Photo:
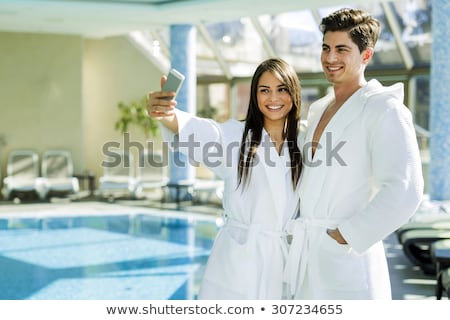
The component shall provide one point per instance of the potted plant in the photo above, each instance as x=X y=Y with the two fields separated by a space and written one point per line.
x=135 y=113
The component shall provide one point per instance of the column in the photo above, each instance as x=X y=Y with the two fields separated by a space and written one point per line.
x=183 y=58
x=439 y=172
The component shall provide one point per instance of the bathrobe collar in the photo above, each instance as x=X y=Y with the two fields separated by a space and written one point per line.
x=276 y=167
x=346 y=114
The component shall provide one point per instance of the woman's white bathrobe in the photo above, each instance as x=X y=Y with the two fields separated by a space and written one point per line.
x=249 y=252
x=366 y=179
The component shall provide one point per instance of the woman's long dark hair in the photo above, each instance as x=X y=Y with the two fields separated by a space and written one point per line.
x=254 y=122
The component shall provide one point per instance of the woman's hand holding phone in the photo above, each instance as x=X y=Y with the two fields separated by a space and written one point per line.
x=161 y=104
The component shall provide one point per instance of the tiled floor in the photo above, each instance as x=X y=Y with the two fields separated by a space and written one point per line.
x=128 y=250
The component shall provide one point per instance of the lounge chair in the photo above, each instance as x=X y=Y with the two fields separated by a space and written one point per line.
x=207 y=187
x=440 y=254
x=416 y=245
x=438 y=223
x=443 y=284
x=208 y=191
x=22 y=180
x=151 y=175
x=57 y=174
x=118 y=179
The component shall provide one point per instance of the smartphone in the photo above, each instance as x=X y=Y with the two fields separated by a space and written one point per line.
x=174 y=81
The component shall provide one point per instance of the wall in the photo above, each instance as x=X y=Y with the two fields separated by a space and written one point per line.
x=40 y=92
x=113 y=71
x=63 y=91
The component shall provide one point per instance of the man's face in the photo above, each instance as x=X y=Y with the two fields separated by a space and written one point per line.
x=341 y=60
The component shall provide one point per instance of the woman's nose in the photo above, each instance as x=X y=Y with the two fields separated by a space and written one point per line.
x=273 y=96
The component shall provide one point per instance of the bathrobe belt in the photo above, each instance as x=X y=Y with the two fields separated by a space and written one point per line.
x=253 y=232
x=300 y=230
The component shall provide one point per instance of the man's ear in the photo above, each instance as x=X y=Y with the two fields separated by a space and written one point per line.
x=367 y=55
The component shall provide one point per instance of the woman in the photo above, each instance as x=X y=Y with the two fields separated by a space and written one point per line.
x=260 y=163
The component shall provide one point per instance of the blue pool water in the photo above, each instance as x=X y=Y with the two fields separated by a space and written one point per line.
x=136 y=256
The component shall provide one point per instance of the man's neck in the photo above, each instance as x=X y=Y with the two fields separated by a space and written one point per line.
x=344 y=91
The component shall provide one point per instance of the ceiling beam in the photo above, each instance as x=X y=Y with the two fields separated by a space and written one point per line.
x=109 y=18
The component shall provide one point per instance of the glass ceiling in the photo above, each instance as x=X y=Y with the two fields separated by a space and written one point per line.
x=233 y=49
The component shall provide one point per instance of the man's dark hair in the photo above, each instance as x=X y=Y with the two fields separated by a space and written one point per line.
x=362 y=28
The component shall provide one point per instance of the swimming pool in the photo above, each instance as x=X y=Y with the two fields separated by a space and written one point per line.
x=120 y=256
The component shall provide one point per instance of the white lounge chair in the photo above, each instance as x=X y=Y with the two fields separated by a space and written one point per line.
x=208 y=191
x=22 y=178
x=151 y=175
x=118 y=179
x=207 y=188
x=57 y=174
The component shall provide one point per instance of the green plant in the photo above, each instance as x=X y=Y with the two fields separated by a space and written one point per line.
x=135 y=113
x=207 y=112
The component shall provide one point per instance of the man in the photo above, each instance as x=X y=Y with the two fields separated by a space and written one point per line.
x=362 y=177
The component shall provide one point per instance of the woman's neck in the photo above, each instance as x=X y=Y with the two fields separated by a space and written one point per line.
x=276 y=134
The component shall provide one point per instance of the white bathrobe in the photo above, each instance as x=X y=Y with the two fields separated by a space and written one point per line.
x=366 y=179
x=248 y=256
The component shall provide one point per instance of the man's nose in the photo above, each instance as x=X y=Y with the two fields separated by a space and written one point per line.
x=331 y=56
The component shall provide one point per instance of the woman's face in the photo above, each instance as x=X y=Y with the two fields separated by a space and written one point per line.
x=274 y=100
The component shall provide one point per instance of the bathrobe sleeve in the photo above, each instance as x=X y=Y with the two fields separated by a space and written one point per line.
x=396 y=176
x=206 y=141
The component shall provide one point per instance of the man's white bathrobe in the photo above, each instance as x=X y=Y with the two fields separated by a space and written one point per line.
x=366 y=179
x=249 y=252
